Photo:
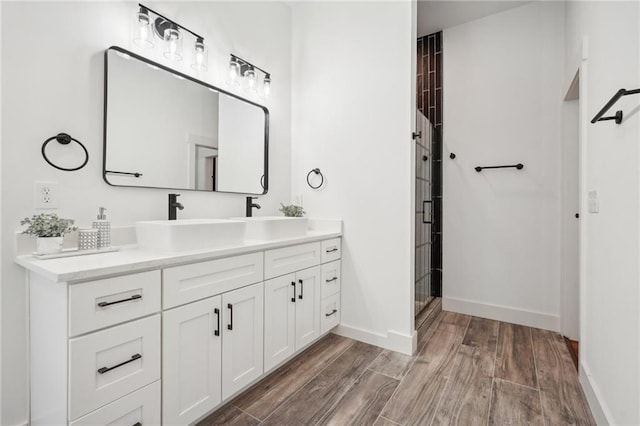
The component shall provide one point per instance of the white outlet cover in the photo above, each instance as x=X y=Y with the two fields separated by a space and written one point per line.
x=46 y=195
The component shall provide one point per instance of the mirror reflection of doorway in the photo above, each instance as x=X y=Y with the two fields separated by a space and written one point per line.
x=206 y=170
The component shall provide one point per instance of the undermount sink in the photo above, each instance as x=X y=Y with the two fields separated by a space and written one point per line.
x=274 y=227
x=189 y=234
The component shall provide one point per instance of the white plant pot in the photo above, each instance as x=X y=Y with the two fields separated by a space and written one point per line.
x=49 y=245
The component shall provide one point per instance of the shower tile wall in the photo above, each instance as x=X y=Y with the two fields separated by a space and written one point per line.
x=423 y=293
x=429 y=101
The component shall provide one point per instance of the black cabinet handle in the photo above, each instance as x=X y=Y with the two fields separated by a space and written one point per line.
x=217 y=312
x=301 y=289
x=293 y=299
x=332 y=312
x=332 y=250
x=230 y=325
x=129 y=299
x=133 y=358
x=332 y=279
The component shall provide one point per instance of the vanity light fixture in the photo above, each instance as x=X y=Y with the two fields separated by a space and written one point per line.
x=240 y=69
x=172 y=35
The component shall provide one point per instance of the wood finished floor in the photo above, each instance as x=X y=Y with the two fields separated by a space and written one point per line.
x=466 y=371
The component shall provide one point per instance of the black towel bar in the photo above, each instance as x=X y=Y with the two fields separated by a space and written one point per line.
x=618 y=115
x=518 y=166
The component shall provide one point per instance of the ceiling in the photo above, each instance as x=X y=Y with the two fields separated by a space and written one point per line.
x=434 y=16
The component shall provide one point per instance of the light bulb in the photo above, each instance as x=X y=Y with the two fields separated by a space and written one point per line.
x=201 y=56
x=173 y=43
x=142 y=31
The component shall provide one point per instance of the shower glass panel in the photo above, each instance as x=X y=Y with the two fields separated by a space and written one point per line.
x=424 y=213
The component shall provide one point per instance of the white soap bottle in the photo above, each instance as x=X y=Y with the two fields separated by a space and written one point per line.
x=104 y=229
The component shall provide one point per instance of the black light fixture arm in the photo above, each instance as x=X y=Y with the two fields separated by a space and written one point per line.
x=618 y=115
x=245 y=62
x=148 y=9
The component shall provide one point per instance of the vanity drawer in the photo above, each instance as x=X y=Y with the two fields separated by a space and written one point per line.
x=329 y=313
x=331 y=250
x=184 y=284
x=108 y=364
x=285 y=260
x=330 y=279
x=101 y=303
x=139 y=407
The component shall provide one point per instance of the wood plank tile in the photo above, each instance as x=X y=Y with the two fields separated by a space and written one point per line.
x=392 y=364
x=416 y=399
x=262 y=399
x=563 y=401
x=309 y=404
x=384 y=422
x=362 y=404
x=229 y=415
x=512 y=404
x=465 y=400
x=455 y=323
x=514 y=361
x=483 y=334
x=425 y=332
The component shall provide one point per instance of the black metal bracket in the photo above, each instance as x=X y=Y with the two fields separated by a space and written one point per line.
x=163 y=23
x=244 y=65
x=317 y=172
x=618 y=115
x=64 y=139
x=518 y=166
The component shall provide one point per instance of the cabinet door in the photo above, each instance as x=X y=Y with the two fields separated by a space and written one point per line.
x=242 y=349
x=191 y=364
x=307 y=306
x=279 y=320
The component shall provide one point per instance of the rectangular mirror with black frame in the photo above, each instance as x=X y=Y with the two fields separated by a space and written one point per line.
x=165 y=129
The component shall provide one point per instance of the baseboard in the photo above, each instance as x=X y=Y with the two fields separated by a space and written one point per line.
x=599 y=410
x=502 y=313
x=393 y=341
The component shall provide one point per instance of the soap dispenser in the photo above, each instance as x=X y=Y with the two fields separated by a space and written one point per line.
x=104 y=229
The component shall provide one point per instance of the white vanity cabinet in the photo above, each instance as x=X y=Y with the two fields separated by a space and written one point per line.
x=171 y=344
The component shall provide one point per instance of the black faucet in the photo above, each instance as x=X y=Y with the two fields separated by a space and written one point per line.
x=174 y=206
x=251 y=205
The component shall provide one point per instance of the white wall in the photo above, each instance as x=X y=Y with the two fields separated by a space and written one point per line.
x=353 y=98
x=610 y=300
x=502 y=97
x=52 y=76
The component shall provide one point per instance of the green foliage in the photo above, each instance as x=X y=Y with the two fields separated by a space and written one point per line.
x=47 y=225
x=292 y=210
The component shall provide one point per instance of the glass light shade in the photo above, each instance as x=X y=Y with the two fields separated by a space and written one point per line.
x=266 y=86
x=234 y=70
x=173 y=44
x=143 y=29
x=200 y=56
x=250 y=75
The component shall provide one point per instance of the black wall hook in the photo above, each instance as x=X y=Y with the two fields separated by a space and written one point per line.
x=64 y=139
x=452 y=156
x=317 y=172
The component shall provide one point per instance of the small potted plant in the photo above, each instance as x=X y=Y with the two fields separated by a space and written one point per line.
x=49 y=230
x=292 y=210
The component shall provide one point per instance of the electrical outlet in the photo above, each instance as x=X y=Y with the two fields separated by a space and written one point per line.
x=46 y=195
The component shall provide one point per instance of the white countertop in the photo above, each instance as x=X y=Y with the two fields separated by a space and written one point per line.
x=132 y=259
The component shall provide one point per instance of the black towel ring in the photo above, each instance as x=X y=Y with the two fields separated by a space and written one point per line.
x=317 y=172
x=65 y=139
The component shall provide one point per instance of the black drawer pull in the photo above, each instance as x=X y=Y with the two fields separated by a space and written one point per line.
x=332 y=312
x=217 y=312
x=332 y=279
x=133 y=358
x=134 y=297
x=332 y=250
x=301 y=296
x=293 y=299
x=230 y=325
